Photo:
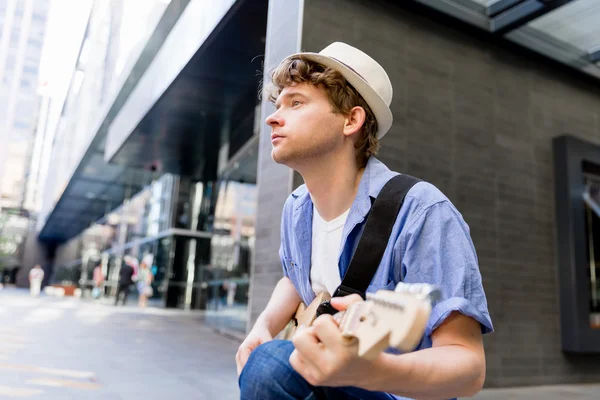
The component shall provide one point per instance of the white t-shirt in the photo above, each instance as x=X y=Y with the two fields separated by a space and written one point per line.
x=326 y=242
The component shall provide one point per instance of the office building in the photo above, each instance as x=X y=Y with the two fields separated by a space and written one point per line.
x=22 y=28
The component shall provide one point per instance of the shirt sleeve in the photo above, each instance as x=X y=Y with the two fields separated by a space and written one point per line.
x=282 y=258
x=285 y=217
x=437 y=249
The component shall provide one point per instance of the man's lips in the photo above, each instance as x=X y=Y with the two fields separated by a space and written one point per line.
x=275 y=136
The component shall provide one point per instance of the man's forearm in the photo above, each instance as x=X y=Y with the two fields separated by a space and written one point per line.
x=281 y=307
x=435 y=373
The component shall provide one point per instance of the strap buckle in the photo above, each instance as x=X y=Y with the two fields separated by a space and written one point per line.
x=326 y=308
x=347 y=291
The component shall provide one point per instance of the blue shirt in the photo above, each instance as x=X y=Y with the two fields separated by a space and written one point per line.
x=430 y=243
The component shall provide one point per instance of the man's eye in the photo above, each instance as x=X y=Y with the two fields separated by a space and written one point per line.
x=296 y=103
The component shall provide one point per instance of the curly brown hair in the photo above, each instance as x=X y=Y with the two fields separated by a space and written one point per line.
x=342 y=96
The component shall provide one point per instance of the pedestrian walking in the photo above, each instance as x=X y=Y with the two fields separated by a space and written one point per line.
x=36 y=276
x=98 y=278
x=125 y=279
x=144 y=283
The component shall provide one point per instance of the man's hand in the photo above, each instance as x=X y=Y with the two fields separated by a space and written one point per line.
x=258 y=336
x=342 y=303
x=280 y=309
x=323 y=357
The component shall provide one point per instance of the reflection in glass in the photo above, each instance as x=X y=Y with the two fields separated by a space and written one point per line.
x=128 y=229
x=591 y=198
x=227 y=276
x=190 y=257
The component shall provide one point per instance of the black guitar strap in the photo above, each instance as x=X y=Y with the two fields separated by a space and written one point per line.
x=374 y=239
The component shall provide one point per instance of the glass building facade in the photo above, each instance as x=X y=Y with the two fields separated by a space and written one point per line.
x=199 y=236
x=192 y=215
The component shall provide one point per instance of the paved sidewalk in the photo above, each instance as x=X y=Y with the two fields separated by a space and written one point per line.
x=65 y=348
x=558 y=392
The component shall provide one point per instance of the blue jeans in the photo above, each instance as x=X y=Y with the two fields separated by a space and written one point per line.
x=269 y=375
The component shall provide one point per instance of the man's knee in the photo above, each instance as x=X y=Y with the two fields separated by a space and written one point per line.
x=268 y=373
x=267 y=361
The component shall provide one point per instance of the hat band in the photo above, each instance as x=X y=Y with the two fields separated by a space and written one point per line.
x=349 y=67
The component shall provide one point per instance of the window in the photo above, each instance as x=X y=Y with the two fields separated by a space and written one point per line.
x=30 y=69
x=14 y=36
x=577 y=194
x=24 y=109
x=34 y=43
x=19 y=9
x=32 y=55
x=11 y=59
x=38 y=17
x=21 y=125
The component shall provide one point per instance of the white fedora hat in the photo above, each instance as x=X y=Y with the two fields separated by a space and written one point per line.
x=364 y=74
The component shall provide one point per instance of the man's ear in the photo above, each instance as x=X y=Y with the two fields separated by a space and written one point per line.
x=354 y=121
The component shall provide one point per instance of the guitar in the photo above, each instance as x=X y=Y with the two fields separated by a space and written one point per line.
x=386 y=319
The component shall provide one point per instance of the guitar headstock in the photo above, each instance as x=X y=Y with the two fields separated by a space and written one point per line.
x=389 y=319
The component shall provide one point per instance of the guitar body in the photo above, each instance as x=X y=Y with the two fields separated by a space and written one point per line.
x=305 y=316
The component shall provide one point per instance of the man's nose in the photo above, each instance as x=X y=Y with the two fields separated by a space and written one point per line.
x=274 y=120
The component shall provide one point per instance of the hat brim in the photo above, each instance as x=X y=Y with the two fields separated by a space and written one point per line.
x=380 y=109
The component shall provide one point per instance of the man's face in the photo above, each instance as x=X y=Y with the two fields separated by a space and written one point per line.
x=304 y=127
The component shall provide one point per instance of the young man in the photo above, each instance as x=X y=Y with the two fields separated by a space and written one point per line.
x=332 y=108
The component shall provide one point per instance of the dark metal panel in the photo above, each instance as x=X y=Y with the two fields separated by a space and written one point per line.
x=569 y=155
x=549 y=46
x=83 y=188
x=595 y=56
x=499 y=6
x=470 y=5
x=466 y=14
x=523 y=13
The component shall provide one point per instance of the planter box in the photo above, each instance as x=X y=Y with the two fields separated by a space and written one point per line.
x=69 y=290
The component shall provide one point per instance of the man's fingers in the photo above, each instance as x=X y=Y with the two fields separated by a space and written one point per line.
x=327 y=331
x=242 y=357
x=239 y=367
x=244 y=354
x=342 y=303
x=309 y=346
x=297 y=362
x=304 y=368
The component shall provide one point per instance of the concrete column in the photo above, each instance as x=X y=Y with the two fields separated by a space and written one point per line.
x=275 y=181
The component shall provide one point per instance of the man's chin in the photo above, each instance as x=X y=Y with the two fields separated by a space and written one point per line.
x=277 y=157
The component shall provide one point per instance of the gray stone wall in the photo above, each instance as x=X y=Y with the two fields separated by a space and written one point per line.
x=477 y=121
